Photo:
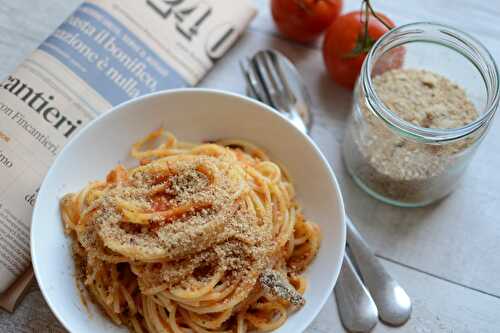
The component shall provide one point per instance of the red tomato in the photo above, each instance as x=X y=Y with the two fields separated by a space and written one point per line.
x=304 y=20
x=342 y=53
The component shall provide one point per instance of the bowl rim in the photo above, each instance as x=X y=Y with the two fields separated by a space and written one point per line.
x=224 y=94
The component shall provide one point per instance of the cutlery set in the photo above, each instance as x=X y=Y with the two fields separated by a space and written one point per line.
x=364 y=291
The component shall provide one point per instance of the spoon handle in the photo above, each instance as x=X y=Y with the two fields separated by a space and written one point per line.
x=393 y=303
x=357 y=310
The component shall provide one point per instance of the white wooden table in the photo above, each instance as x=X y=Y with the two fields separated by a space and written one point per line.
x=445 y=255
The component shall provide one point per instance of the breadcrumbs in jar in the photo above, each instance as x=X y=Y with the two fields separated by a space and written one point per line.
x=413 y=130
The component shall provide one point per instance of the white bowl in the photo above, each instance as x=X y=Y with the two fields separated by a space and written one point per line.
x=194 y=115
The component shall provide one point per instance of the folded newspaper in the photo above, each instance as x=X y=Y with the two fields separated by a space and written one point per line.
x=106 y=52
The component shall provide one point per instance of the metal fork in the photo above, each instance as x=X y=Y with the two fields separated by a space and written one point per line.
x=267 y=83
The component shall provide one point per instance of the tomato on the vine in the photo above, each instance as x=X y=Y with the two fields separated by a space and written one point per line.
x=346 y=45
x=304 y=20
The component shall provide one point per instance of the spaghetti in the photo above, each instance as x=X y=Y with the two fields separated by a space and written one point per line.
x=197 y=238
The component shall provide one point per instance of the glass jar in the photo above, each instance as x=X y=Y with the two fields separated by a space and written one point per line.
x=402 y=162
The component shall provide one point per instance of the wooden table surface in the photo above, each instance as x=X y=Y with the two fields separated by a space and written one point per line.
x=445 y=255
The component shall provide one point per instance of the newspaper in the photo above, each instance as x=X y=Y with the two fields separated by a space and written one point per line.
x=106 y=52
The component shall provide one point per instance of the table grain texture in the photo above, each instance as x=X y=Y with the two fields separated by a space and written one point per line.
x=445 y=255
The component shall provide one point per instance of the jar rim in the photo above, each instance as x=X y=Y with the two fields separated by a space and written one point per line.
x=488 y=70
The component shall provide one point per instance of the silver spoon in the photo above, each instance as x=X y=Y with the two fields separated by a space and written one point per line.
x=266 y=82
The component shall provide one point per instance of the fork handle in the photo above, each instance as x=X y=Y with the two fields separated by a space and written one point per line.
x=357 y=310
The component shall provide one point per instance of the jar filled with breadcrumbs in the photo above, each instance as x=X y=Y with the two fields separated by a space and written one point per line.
x=424 y=100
